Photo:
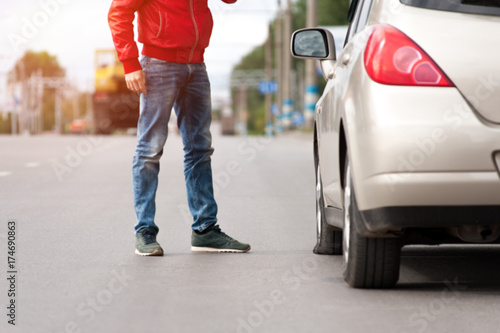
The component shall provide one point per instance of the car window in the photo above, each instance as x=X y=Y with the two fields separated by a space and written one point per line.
x=363 y=16
x=482 y=7
x=353 y=17
x=359 y=16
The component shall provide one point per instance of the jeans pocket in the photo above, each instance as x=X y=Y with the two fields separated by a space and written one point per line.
x=144 y=61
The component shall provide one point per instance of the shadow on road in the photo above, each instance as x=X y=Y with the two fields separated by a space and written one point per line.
x=431 y=267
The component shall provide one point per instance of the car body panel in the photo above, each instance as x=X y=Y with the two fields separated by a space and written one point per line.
x=413 y=146
x=465 y=46
x=331 y=110
x=443 y=137
x=407 y=133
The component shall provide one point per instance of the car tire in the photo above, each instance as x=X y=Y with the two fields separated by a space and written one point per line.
x=368 y=262
x=329 y=239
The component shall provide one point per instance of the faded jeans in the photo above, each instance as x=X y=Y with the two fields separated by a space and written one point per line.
x=186 y=88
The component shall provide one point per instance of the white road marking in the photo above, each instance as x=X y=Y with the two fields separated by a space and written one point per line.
x=32 y=164
x=5 y=173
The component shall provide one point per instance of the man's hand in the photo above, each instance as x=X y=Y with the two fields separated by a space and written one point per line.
x=136 y=81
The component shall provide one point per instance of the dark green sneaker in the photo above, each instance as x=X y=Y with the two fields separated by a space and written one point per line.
x=146 y=244
x=214 y=240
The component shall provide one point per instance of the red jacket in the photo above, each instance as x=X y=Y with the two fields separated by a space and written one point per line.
x=171 y=30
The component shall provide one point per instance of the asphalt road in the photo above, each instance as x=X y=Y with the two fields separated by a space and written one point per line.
x=75 y=269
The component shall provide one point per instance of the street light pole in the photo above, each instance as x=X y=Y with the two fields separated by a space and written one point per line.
x=23 y=116
x=287 y=68
x=269 y=74
x=278 y=44
x=311 y=89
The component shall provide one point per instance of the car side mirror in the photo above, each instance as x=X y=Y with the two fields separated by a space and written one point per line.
x=314 y=43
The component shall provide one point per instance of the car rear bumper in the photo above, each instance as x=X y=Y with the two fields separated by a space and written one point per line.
x=384 y=221
x=426 y=147
x=431 y=188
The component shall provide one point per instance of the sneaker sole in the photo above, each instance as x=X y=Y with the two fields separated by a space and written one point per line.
x=213 y=249
x=155 y=253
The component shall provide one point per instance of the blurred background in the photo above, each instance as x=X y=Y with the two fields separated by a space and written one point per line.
x=59 y=73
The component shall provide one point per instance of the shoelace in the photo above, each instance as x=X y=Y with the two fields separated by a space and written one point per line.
x=217 y=229
x=148 y=237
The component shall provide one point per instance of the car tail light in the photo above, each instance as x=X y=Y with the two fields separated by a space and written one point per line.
x=101 y=96
x=393 y=58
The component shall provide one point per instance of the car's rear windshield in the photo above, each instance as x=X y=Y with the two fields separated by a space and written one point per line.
x=481 y=7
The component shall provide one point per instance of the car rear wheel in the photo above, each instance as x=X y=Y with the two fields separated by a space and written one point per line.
x=368 y=262
x=329 y=239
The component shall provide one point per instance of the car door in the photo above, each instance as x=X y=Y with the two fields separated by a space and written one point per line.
x=330 y=108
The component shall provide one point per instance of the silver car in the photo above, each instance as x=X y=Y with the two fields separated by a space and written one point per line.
x=407 y=131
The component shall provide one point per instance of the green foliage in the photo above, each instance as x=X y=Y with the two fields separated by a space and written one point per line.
x=31 y=62
x=257 y=123
x=256 y=112
x=255 y=101
x=48 y=65
x=5 y=124
x=330 y=12
x=333 y=12
x=254 y=60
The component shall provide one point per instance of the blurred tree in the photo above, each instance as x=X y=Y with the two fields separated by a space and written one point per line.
x=330 y=12
x=253 y=60
x=333 y=12
x=30 y=63
x=255 y=101
x=5 y=123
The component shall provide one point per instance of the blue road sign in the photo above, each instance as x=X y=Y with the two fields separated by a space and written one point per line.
x=268 y=87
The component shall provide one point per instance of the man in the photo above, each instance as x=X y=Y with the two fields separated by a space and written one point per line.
x=171 y=73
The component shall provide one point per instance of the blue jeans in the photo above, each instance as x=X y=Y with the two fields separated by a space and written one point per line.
x=186 y=88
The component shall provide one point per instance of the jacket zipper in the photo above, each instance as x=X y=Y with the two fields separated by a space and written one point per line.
x=197 y=32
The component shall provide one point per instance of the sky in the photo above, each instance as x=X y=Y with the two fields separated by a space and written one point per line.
x=73 y=29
